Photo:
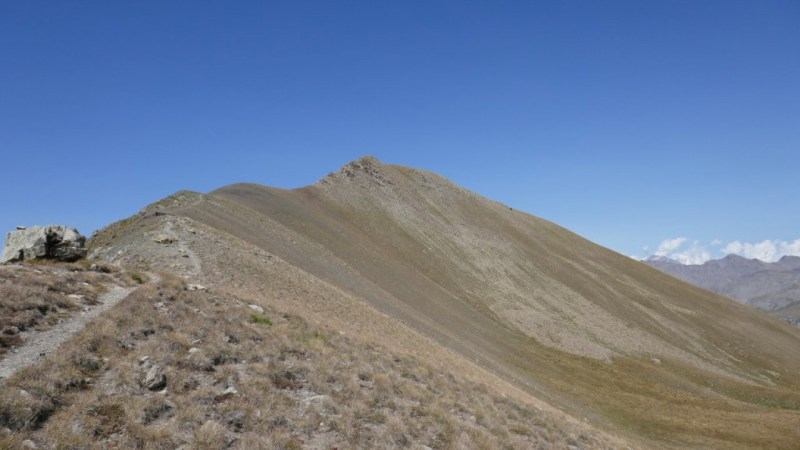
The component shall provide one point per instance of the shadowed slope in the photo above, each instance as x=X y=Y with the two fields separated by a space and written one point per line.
x=576 y=324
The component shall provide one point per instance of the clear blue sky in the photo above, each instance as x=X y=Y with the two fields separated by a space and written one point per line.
x=629 y=122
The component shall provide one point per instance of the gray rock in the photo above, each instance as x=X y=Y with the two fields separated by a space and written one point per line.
x=195 y=287
x=235 y=420
x=53 y=241
x=164 y=239
x=227 y=393
x=27 y=443
x=257 y=309
x=155 y=378
x=157 y=409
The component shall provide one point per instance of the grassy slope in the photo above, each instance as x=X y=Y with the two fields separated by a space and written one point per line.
x=482 y=279
x=297 y=385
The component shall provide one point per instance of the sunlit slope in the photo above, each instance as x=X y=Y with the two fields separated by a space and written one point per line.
x=581 y=326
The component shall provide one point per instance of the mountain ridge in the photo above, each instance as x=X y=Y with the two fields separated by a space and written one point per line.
x=577 y=325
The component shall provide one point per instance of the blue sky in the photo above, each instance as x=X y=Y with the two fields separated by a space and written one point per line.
x=628 y=122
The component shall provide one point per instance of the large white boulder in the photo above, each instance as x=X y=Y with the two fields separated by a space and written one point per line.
x=52 y=241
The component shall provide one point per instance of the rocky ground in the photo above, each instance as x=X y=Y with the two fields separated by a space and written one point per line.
x=183 y=365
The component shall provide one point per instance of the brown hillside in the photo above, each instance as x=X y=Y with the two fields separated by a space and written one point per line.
x=585 y=329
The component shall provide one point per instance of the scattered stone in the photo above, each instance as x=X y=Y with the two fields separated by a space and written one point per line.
x=235 y=420
x=195 y=287
x=226 y=394
x=280 y=421
x=158 y=409
x=656 y=360
x=163 y=239
x=53 y=241
x=27 y=443
x=154 y=379
x=78 y=384
x=75 y=296
x=316 y=399
x=89 y=363
x=193 y=350
x=257 y=309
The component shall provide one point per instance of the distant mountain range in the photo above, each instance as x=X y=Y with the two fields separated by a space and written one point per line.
x=770 y=287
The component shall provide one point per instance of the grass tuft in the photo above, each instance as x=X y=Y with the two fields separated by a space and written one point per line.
x=259 y=319
x=138 y=277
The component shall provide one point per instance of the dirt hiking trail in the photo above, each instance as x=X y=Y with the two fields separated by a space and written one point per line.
x=40 y=344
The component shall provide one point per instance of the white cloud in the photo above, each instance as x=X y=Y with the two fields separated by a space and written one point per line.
x=695 y=254
x=669 y=245
x=790 y=248
x=698 y=253
x=764 y=250
x=767 y=250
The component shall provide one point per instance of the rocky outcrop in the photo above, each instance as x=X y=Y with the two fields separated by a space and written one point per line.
x=52 y=241
x=152 y=375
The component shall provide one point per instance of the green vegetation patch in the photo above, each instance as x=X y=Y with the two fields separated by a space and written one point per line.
x=138 y=277
x=259 y=319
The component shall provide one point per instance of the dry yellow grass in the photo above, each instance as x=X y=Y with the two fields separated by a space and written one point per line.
x=295 y=386
x=35 y=295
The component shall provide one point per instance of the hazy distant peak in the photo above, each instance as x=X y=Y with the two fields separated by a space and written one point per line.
x=662 y=259
x=734 y=257
x=738 y=261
